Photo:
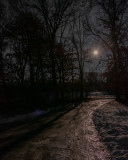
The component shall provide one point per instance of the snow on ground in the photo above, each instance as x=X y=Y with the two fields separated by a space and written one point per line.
x=111 y=121
x=71 y=137
x=100 y=95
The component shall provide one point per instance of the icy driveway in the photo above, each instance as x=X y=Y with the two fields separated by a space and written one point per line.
x=71 y=137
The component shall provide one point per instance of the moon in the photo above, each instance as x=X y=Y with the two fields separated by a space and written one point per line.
x=95 y=52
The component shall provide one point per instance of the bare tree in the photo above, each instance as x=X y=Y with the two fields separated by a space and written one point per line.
x=2 y=40
x=79 y=41
x=54 y=14
x=110 y=27
x=24 y=34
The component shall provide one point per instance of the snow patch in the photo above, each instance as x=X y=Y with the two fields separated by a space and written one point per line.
x=111 y=121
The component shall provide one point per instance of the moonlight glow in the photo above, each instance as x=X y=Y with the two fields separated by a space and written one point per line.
x=95 y=52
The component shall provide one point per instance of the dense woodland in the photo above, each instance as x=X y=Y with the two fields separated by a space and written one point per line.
x=45 y=46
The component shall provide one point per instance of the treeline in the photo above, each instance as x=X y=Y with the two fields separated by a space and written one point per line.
x=46 y=46
x=41 y=62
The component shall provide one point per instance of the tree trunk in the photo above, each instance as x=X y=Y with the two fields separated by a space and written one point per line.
x=2 y=70
x=81 y=87
x=54 y=79
x=31 y=70
x=5 y=96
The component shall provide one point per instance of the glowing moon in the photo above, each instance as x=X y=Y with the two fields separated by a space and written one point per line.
x=95 y=52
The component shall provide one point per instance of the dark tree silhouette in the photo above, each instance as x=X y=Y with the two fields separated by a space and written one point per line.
x=54 y=14
x=78 y=39
x=111 y=28
x=3 y=44
x=25 y=36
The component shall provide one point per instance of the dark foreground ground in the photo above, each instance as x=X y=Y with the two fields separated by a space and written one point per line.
x=65 y=135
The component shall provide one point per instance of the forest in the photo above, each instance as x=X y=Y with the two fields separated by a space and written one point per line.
x=46 y=50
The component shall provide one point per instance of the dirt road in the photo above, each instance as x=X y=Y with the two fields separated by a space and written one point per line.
x=70 y=137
